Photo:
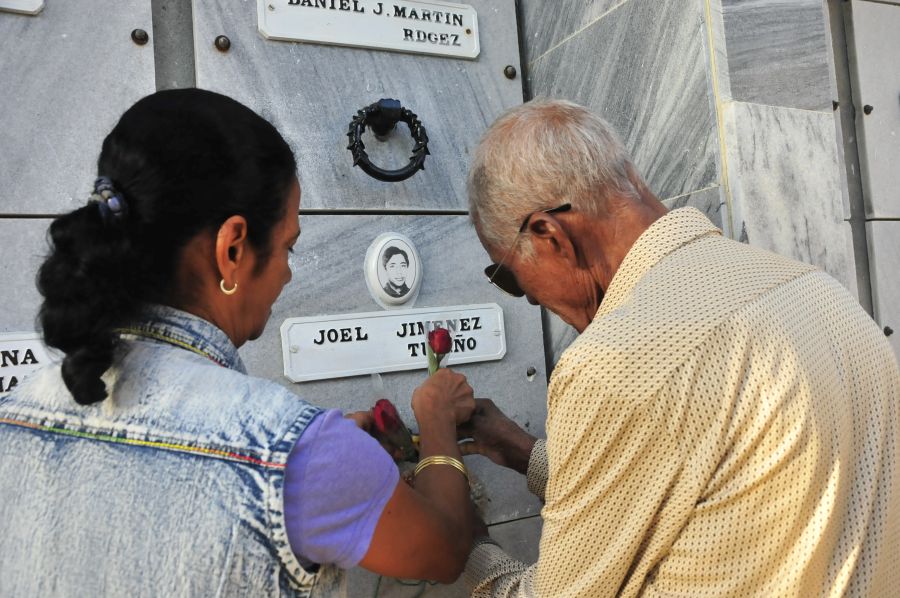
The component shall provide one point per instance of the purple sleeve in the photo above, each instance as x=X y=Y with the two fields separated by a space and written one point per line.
x=337 y=482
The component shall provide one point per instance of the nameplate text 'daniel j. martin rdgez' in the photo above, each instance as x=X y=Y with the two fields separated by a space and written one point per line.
x=323 y=347
x=419 y=27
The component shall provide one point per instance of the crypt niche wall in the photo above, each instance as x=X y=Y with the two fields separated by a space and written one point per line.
x=70 y=75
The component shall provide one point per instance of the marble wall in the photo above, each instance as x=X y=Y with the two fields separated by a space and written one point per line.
x=774 y=83
x=726 y=105
x=643 y=66
x=69 y=76
x=870 y=34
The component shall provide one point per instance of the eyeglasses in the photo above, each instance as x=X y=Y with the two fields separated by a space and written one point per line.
x=499 y=275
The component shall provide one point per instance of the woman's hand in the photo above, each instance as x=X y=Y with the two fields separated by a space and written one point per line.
x=426 y=531
x=444 y=396
x=364 y=420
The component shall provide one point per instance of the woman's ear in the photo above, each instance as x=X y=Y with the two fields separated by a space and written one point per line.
x=231 y=245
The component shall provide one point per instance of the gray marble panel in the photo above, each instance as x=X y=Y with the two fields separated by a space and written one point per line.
x=24 y=248
x=644 y=69
x=328 y=279
x=874 y=52
x=778 y=53
x=884 y=250
x=547 y=23
x=710 y=201
x=67 y=75
x=312 y=91
x=786 y=185
x=520 y=539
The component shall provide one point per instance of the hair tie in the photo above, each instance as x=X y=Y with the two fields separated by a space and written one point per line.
x=109 y=201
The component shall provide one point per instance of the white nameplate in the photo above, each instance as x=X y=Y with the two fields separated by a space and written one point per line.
x=321 y=347
x=20 y=354
x=28 y=7
x=420 y=27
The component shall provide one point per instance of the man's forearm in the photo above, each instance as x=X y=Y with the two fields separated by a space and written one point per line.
x=538 y=469
x=491 y=573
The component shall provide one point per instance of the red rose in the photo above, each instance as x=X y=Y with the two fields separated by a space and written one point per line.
x=387 y=420
x=439 y=340
x=392 y=433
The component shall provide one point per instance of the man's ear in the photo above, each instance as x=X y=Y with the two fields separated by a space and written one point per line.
x=231 y=245
x=550 y=238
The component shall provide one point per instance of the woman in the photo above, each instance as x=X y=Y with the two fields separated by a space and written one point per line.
x=149 y=462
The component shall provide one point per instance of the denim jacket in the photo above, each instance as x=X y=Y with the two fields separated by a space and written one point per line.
x=171 y=486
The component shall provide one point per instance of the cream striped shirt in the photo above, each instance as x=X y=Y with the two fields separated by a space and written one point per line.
x=726 y=426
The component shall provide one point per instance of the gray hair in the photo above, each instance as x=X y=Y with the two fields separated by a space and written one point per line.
x=540 y=155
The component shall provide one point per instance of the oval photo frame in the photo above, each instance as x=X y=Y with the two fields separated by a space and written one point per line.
x=393 y=271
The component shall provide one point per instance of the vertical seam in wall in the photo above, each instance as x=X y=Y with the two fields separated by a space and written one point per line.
x=173 y=44
x=719 y=106
x=523 y=65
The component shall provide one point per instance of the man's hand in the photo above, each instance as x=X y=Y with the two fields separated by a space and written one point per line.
x=497 y=437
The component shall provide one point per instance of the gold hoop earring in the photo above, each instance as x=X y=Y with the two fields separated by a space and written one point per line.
x=230 y=291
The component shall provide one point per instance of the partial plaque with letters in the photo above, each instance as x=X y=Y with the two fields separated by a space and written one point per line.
x=26 y=7
x=324 y=347
x=20 y=354
x=415 y=26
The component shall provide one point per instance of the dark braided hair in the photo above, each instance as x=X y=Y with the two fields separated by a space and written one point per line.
x=182 y=161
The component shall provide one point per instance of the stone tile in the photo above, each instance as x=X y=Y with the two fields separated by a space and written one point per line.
x=311 y=92
x=786 y=186
x=644 y=69
x=520 y=539
x=716 y=24
x=67 y=75
x=24 y=248
x=778 y=53
x=884 y=247
x=710 y=201
x=547 y=23
x=328 y=279
x=874 y=45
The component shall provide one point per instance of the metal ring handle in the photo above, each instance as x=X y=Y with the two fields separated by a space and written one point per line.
x=381 y=118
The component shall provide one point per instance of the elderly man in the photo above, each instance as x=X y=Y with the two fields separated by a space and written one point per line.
x=726 y=423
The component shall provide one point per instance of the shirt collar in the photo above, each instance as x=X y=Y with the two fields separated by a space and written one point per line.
x=165 y=324
x=675 y=229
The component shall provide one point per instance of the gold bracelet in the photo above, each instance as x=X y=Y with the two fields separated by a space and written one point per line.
x=441 y=460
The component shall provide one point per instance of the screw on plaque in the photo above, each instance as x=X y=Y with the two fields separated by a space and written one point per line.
x=510 y=71
x=139 y=36
x=222 y=43
x=867 y=109
x=382 y=117
x=888 y=331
